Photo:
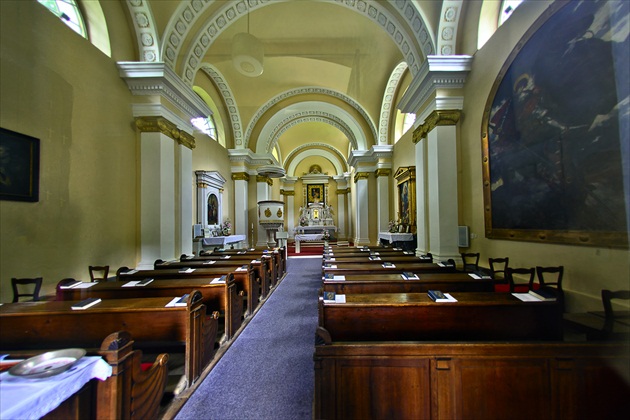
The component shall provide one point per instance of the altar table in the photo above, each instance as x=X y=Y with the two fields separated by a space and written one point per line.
x=306 y=237
x=395 y=238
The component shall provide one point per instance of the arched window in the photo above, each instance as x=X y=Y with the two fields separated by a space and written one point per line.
x=69 y=13
x=206 y=125
x=507 y=8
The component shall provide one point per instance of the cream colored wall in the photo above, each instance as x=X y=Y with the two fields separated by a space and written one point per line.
x=209 y=155
x=58 y=87
x=587 y=269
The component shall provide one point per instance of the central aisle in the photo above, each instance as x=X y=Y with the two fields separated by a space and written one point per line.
x=267 y=373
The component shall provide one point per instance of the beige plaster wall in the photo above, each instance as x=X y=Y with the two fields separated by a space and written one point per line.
x=58 y=87
x=587 y=269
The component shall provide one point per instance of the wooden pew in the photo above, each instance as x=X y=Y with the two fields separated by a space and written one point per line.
x=278 y=257
x=375 y=259
x=263 y=266
x=475 y=316
x=396 y=283
x=129 y=393
x=231 y=301
x=350 y=268
x=396 y=380
x=29 y=325
x=216 y=296
x=247 y=281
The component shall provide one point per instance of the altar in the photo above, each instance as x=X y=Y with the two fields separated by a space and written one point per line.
x=217 y=241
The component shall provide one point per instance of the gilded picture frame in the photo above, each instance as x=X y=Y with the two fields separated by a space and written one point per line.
x=406 y=190
x=19 y=167
x=553 y=134
x=315 y=193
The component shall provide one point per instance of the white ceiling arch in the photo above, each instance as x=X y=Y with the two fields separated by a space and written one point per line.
x=319 y=150
x=403 y=23
x=310 y=111
x=313 y=90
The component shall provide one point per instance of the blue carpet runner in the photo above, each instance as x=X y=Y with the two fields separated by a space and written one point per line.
x=267 y=373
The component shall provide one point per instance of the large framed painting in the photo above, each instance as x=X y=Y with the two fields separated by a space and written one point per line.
x=315 y=194
x=556 y=127
x=406 y=184
x=19 y=166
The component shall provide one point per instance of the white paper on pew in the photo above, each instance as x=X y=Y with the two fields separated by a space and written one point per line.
x=72 y=286
x=209 y=262
x=332 y=259
x=475 y=276
x=526 y=297
x=332 y=266
x=340 y=298
x=414 y=277
x=225 y=257
x=174 y=303
x=449 y=298
x=131 y=272
x=190 y=270
x=217 y=281
x=241 y=269
x=131 y=283
x=84 y=285
x=376 y=253
x=397 y=249
x=339 y=278
x=255 y=261
x=389 y=265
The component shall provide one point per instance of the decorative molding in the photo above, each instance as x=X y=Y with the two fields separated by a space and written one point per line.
x=240 y=176
x=261 y=178
x=316 y=149
x=361 y=175
x=343 y=191
x=436 y=118
x=144 y=27
x=166 y=127
x=309 y=90
x=228 y=99
x=287 y=192
x=388 y=99
x=382 y=172
x=370 y=156
x=438 y=72
x=405 y=26
x=148 y=79
x=449 y=22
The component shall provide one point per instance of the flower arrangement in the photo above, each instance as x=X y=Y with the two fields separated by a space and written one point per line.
x=393 y=226
x=302 y=221
x=325 y=234
x=226 y=227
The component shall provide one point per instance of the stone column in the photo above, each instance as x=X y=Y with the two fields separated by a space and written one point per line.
x=289 y=203
x=241 y=218
x=342 y=206
x=440 y=195
x=263 y=192
x=186 y=185
x=382 y=198
x=157 y=190
x=362 y=233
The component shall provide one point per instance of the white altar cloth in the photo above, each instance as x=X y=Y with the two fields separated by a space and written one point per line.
x=27 y=398
x=222 y=240
x=306 y=237
x=395 y=237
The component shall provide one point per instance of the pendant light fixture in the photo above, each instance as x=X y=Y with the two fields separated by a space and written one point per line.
x=247 y=53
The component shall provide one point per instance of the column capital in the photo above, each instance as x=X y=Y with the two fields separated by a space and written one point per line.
x=436 y=118
x=152 y=124
x=361 y=175
x=343 y=191
x=262 y=178
x=383 y=172
x=240 y=176
x=286 y=192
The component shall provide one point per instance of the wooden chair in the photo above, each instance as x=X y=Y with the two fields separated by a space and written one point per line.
x=35 y=286
x=498 y=266
x=99 y=272
x=471 y=261
x=520 y=287
x=607 y=297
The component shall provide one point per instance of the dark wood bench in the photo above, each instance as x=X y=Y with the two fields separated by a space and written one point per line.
x=230 y=301
x=29 y=325
x=475 y=316
x=247 y=281
x=396 y=283
x=278 y=258
x=367 y=380
x=348 y=268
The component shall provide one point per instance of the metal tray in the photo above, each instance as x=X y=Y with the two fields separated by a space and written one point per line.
x=47 y=364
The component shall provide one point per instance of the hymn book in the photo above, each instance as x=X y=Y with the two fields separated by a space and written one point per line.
x=84 y=304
